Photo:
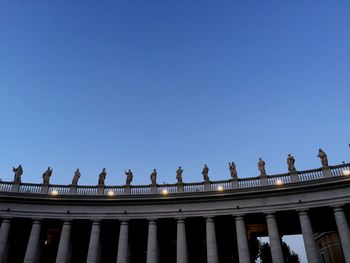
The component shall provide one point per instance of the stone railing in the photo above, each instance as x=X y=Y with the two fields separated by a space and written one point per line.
x=164 y=189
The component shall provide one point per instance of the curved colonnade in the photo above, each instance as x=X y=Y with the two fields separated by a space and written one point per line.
x=200 y=222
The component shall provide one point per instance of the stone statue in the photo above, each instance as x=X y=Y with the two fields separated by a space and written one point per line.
x=76 y=177
x=233 y=170
x=323 y=156
x=102 y=177
x=179 y=175
x=129 y=177
x=153 y=176
x=205 y=173
x=18 y=173
x=261 y=167
x=46 y=175
x=290 y=162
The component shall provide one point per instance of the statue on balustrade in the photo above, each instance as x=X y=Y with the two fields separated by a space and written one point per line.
x=102 y=177
x=46 y=175
x=153 y=176
x=233 y=170
x=129 y=177
x=18 y=173
x=179 y=175
x=290 y=162
x=323 y=156
x=261 y=167
x=205 y=173
x=76 y=177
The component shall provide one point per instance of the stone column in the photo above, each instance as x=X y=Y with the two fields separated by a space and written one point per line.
x=93 y=252
x=123 y=245
x=309 y=240
x=343 y=231
x=242 y=241
x=275 y=240
x=212 y=250
x=152 y=251
x=63 y=246
x=4 y=235
x=181 y=242
x=33 y=243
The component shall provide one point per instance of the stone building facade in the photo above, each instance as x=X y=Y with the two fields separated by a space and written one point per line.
x=209 y=222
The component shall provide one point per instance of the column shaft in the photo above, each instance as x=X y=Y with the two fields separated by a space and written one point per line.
x=181 y=243
x=275 y=240
x=242 y=241
x=63 y=246
x=33 y=243
x=152 y=251
x=343 y=231
x=4 y=235
x=309 y=240
x=94 y=244
x=123 y=244
x=212 y=250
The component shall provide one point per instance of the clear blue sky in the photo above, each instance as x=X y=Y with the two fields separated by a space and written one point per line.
x=157 y=84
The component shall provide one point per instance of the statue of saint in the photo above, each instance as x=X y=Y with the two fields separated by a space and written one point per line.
x=323 y=156
x=179 y=175
x=102 y=177
x=261 y=167
x=18 y=173
x=76 y=177
x=290 y=162
x=233 y=170
x=46 y=175
x=129 y=177
x=153 y=176
x=205 y=173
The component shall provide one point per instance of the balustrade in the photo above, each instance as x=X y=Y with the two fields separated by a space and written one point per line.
x=240 y=183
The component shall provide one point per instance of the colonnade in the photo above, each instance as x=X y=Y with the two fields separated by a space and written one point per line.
x=123 y=251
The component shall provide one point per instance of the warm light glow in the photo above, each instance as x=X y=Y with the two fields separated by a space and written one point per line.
x=54 y=192
x=279 y=182
x=346 y=172
x=165 y=192
x=110 y=193
x=220 y=188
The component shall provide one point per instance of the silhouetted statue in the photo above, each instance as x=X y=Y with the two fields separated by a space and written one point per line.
x=129 y=177
x=205 y=173
x=261 y=167
x=46 y=175
x=290 y=162
x=102 y=177
x=18 y=173
x=323 y=156
x=153 y=176
x=233 y=170
x=76 y=177
x=179 y=175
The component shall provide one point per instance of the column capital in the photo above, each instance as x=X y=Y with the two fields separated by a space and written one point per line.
x=239 y=217
x=338 y=209
x=124 y=220
x=303 y=211
x=96 y=221
x=152 y=220
x=180 y=219
x=209 y=218
x=270 y=214
x=6 y=218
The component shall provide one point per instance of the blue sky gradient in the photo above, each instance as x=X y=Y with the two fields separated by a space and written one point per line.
x=157 y=84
